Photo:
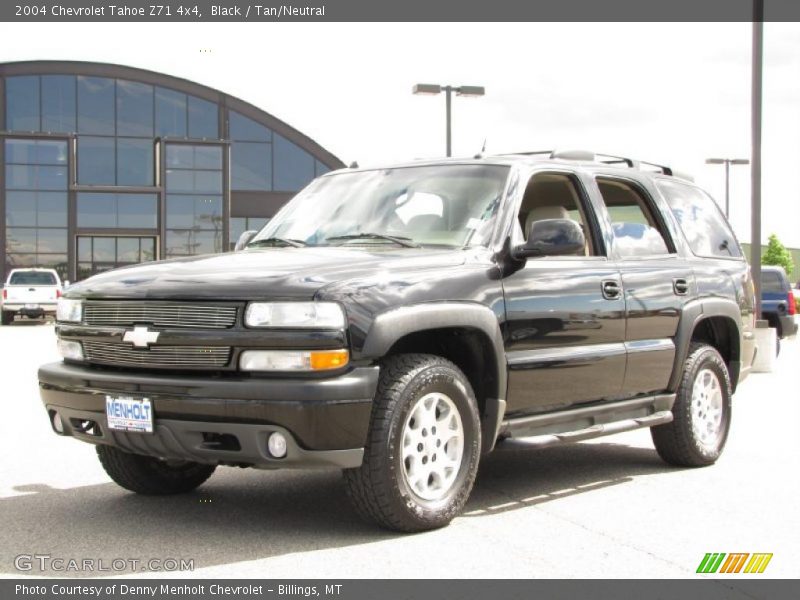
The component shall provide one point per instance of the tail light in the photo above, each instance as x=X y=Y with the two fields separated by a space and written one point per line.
x=58 y=294
x=5 y=294
x=792 y=306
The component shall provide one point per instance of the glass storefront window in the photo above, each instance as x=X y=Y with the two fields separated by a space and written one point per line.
x=244 y=129
x=96 y=105
x=58 y=103
x=203 y=119
x=96 y=161
x=134 y=109
x=294 y=167
x=251 y=166
x=170 y=113
x=135 y=161
x=111 y=210
x=22 y=103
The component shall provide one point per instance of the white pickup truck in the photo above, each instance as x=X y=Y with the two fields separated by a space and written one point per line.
x=32 y=293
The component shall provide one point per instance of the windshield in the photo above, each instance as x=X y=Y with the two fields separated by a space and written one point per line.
x=32 y=278
x=445 y=205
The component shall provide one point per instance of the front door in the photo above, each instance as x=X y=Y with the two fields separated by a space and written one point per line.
x=565 y=326
x=98 y=253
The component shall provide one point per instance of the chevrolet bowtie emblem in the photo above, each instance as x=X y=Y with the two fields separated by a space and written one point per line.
x=141 y=337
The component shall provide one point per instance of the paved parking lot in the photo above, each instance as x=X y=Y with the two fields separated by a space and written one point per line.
x=606 y=508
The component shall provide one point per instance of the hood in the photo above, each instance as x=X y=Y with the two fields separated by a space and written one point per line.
x=259 y=273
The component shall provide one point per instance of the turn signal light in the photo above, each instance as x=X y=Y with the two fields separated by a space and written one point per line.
x=328 y=359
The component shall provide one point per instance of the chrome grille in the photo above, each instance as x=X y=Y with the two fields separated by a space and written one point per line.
x=159 y=314
x=167 y=357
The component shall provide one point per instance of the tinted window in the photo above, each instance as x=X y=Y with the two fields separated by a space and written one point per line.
x=100 y=210
x=134 y=108
x=22 y=103
x=96 y=161
x=246 y=130
x=251 y=166
x=95 y=105
x=636 y=231
x=170 y=113
x=58 y=103
x=32 y=278
x=134 y=161
x=203 y=118
x=294 y=167
x=772 y=283
x=701 y=220
x=320 y=169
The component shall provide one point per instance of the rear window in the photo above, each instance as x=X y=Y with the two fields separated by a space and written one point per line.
x=771 y=282
x=701 y=221
x=32 y=278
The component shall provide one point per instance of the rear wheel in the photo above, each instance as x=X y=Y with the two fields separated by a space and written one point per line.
x=423 y=448
x=152 y=476
x=702 y=412
x=8 y=317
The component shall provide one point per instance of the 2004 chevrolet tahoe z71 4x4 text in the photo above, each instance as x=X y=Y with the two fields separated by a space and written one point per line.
x=399 y=322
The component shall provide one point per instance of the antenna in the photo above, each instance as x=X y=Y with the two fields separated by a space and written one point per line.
x=483 y=150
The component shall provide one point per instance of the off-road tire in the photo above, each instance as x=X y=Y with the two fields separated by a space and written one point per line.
x=676 y=442
x=152 y=476
x=378 y=488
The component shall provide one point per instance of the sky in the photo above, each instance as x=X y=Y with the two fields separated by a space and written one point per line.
x=671 y=93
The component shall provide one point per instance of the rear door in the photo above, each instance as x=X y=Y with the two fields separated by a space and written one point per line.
x=565 y=327
x=656 y=281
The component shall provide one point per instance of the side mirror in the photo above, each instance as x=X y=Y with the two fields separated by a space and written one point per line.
x=552 y=237
x=244 y=239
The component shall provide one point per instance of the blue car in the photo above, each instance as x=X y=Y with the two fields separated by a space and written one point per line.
x=777 y=302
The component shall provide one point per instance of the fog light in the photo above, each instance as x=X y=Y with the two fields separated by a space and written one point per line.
x=57 y=424
x=277 y=445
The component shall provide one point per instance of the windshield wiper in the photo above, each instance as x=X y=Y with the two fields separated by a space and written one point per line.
x=400 y=240
x=273 y=240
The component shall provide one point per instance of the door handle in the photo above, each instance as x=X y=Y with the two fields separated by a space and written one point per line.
x=611 y=289
x=680 y=286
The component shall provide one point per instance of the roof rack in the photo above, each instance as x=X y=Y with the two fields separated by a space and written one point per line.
x=589 y=156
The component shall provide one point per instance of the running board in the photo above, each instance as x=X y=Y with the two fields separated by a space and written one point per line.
x=579 y=435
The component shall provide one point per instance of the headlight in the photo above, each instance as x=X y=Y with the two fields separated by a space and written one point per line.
x=293 y=360
x=323 y=315
x=69 y=311
x=71 y=350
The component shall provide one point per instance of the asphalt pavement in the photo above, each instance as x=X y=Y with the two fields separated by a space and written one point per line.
x=608 y=508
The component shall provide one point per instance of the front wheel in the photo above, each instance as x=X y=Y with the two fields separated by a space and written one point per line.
x=702 y=412
x=423 y=446
x=152 y=476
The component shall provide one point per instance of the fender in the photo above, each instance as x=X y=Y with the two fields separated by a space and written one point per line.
x=693 y=313
x=392 y=325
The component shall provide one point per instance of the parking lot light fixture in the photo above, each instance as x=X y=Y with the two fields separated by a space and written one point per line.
x=727 y=162
x=434 y=89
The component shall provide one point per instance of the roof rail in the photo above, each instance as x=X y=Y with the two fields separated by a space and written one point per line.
x=589 y=156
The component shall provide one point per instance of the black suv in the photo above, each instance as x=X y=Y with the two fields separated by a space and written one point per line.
x=399 y=322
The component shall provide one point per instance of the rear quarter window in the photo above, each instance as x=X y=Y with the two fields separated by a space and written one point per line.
x=701 y=221
x=771 y=282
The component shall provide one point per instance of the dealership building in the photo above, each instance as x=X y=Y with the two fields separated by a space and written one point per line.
x=106 y=165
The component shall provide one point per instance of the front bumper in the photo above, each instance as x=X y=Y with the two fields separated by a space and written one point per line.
x=221 y=420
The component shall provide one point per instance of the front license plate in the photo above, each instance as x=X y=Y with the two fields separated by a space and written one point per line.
x=129 y=414
x=32 y=306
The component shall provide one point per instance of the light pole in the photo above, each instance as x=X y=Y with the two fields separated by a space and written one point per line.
x=434 y=89
x=727 y=162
